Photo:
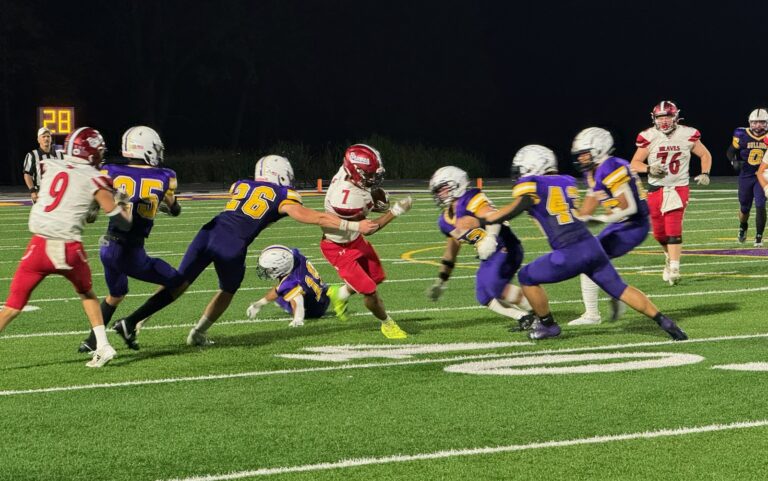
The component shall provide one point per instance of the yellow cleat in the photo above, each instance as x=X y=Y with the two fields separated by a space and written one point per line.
x=391 y=330
x=339 y=306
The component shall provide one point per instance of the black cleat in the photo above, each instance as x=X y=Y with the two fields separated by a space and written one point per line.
x=742 y=236
x=128 y=335
x=672 y=329
x=88 y=345
x=524 y=323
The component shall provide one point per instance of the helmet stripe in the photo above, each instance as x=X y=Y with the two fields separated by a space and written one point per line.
x=72 y=139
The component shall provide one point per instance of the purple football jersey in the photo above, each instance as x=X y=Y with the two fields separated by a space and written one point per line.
x=751 y=150
x=610 y=176
x=303 y=280
x=468 y=205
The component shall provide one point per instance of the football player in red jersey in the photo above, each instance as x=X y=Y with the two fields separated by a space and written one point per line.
x=667 y=148
x=354 y=258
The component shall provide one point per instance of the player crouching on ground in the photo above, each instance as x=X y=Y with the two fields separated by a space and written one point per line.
x=613 y=184
x=300 y=291
x=67 y=190
x=549 y=199
x=498 y=249
x=350 y=197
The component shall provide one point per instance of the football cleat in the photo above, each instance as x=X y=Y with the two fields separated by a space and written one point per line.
x=665 y=272
x=128 y=335
x=742 y=236
x=540 y=331
x=758 y=241
x=672 y=329
x=200 y=339
x=674 y=277
x=585 y=320
x=87 y=346
x=339 y=305
x=102 y=356
x=618 y=309
x=391 y=330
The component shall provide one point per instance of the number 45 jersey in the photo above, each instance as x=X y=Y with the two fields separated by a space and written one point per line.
x=146 y=186
x=303 y=280
x=672 y=150
x=66 y=191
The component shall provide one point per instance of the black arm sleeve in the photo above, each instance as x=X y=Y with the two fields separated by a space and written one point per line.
x=732 y=154
x=175 y=209
x=526 y=202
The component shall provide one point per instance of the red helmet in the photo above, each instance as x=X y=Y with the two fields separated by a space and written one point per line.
x=364 y=166
x=665 y=116
x=86 y=143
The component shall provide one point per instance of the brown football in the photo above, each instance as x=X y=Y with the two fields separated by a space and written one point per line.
x=380 y=200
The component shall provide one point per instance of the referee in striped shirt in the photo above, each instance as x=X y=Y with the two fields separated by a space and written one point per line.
x=32 y=161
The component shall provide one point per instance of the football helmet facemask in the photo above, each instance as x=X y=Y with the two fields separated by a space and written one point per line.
x=447 y=184
x=274 y=169
x=364 y=166
x=275 y=262
x=590 y=148
x=665 y=116
x=143 y=143
x=758 y=121
x=533 y=160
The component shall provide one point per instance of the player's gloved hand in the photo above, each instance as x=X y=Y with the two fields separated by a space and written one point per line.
x=93 y=212
x=736 y=164
x=121 y=198
x=702 y=179
x=296 y=323
x=486 y=247
x=164 y=209
x=436 y=290
x=253 y=309
x=402 y=206
x=657 y=170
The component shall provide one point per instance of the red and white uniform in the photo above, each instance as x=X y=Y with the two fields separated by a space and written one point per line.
x=56 y=220
x=353 y=257
x=668 y=196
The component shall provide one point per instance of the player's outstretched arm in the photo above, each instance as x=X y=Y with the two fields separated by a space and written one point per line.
x=297 y=304
x=447 y=263
x=324 y=219
x=115 y=210
x=706 y=162
x=401 y=207
x=255 y=307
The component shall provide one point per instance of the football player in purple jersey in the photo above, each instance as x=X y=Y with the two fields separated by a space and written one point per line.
x=549 y=199
x=145 y=185
x=498 y=249
x=746 y=153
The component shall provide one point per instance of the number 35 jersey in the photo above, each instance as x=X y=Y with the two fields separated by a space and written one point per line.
x=66 y=191
x=672 y=150
x=553 y=203
x=146 y=186
x=253 y=205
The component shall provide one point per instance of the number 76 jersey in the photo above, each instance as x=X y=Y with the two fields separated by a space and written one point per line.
x=673 y=151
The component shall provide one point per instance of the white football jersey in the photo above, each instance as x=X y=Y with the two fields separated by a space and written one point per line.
x=348 y=201
x=66 y=191
x=673 y=151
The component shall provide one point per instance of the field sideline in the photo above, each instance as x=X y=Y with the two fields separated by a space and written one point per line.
x=461 y=398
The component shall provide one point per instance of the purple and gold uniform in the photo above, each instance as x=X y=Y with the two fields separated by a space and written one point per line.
x=751 y=149
x=303 y=280
x=224 y=240
x=606 y=182
x=122 y=253
x=574 y=249
x=498 y=270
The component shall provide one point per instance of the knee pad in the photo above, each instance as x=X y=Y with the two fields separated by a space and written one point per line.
x=674 y=239
x=663 y=240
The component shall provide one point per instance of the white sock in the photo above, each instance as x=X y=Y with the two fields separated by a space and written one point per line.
x=101 y=336
x=344 y=292
x=203 y=324
x=589 y=291
x=674 y=265
x=511 y=312
x=515 y=296
x=389 y=318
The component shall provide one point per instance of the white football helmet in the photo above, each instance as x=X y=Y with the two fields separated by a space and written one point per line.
x=274 y=169
x=448 y=183
x=758 y=121
x=275 y=262
x=144 y=143
x=533 y=160
x=596 y=142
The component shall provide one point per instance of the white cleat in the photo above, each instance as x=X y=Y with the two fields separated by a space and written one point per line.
x=296 y=323
x=674 y=277
x=585 y=320
x=101 y=356
x=199 y=339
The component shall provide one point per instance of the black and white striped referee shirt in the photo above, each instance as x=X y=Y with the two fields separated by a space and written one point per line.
x=32 y=163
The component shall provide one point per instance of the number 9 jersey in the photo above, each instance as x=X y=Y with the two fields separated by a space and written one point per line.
x=673 y=151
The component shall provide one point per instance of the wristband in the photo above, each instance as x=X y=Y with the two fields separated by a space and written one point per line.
x=482 y=222
x=444 y=276
x=347 y=226
x=34 y=190
x=448 y=263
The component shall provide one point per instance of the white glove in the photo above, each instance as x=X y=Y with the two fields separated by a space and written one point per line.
x=486 y=247
x=254 y=308
x=121 y=198
x=402 y=206
x=702 y=179
x=657 y=170
x=296 y=323
x=436 y=290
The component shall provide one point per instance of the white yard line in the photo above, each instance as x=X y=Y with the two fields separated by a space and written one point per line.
x=452 y=453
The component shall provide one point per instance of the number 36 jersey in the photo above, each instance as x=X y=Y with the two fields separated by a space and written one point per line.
x=253 y=205
x=673 y=151
x=66 y=191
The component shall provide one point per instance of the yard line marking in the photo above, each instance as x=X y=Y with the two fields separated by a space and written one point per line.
x=346 y=367
x=452 y=453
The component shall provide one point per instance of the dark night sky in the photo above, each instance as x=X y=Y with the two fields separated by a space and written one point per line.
x=480 y=75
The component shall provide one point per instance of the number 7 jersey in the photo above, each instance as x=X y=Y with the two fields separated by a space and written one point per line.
x=673 y=151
